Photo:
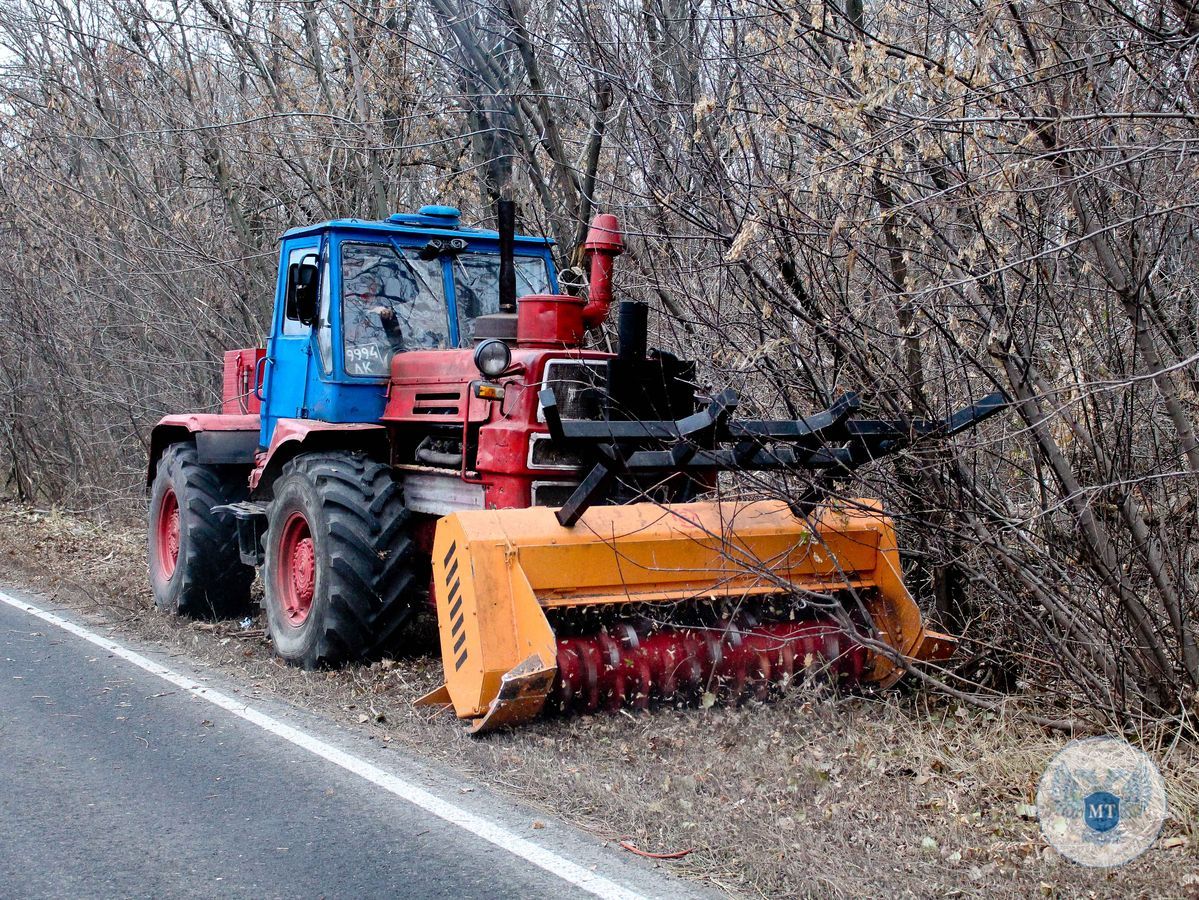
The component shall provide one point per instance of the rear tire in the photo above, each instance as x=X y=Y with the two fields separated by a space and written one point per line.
x=195 y=567
x=342 y=576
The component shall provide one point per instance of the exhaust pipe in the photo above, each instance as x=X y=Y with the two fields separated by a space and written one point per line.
x=505 y=214
x=632 y=329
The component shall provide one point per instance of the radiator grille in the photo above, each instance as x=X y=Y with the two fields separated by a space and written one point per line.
x=543 y=454
x=579 y=386
x=552 y=493
x=445 y=403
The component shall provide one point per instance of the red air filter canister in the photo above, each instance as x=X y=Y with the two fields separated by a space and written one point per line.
x=549 y=320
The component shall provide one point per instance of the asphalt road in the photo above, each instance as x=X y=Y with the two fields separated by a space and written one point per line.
x=115 y=783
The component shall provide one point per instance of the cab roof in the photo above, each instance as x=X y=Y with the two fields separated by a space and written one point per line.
x=428 y=221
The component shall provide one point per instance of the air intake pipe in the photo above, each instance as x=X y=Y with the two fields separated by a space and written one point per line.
x=604 y=243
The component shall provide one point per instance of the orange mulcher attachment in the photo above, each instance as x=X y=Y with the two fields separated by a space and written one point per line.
x=501 y=575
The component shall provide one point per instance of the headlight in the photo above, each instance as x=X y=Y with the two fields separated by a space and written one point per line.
x=492 y=358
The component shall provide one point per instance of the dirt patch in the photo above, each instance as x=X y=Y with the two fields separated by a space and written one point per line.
x=902 y=795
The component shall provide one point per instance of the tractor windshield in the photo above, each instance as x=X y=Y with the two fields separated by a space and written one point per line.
x=391 y=300
x=477 y=286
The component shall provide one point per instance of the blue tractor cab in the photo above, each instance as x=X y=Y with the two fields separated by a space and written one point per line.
x=352 y=293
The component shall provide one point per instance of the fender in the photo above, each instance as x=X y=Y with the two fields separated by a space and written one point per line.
x=294 y=436
x=220 y=439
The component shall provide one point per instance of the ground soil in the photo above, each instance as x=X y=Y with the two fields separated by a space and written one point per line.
x=905 y=794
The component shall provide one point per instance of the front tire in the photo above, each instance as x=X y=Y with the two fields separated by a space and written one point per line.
x=195 y=567
x=341 y=577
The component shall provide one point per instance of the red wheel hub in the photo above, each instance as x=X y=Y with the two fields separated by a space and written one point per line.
x=297 y=569
x=167 y=534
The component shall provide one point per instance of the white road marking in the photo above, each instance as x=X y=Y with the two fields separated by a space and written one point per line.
x=570 y=872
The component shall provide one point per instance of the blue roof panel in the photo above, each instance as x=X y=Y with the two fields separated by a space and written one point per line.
x=422 y=224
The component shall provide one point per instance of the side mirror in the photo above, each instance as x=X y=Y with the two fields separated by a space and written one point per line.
x=306 y=291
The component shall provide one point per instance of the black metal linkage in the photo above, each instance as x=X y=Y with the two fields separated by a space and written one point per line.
x=691 y=443
x=650 y=462
x=593 y=488
x=965 y=419
x=822 y=425
x=816 y=425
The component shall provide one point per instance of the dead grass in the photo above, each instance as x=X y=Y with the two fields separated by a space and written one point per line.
x=903 y=795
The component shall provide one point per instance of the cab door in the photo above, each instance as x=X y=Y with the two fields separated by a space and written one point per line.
x=289 y=361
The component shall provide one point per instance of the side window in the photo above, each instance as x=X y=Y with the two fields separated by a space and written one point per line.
x=291 y=321
x=324 y=334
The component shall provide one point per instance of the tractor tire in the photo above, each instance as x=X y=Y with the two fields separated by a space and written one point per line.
x=342 y=577
x=195 y=568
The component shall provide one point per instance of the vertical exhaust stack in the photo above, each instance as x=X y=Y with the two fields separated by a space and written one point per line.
x=502 y=325
x=632 y=328
x=505 y=214
x=604 y=243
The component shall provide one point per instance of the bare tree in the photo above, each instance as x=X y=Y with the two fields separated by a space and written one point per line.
x=920 y=203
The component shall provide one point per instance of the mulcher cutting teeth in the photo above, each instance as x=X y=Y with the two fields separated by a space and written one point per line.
x=625 y=669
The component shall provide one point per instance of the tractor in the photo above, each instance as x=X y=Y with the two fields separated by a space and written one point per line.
x=433 y=422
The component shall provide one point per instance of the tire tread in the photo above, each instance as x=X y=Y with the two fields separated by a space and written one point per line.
x=215 y=582
x=373 y=578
